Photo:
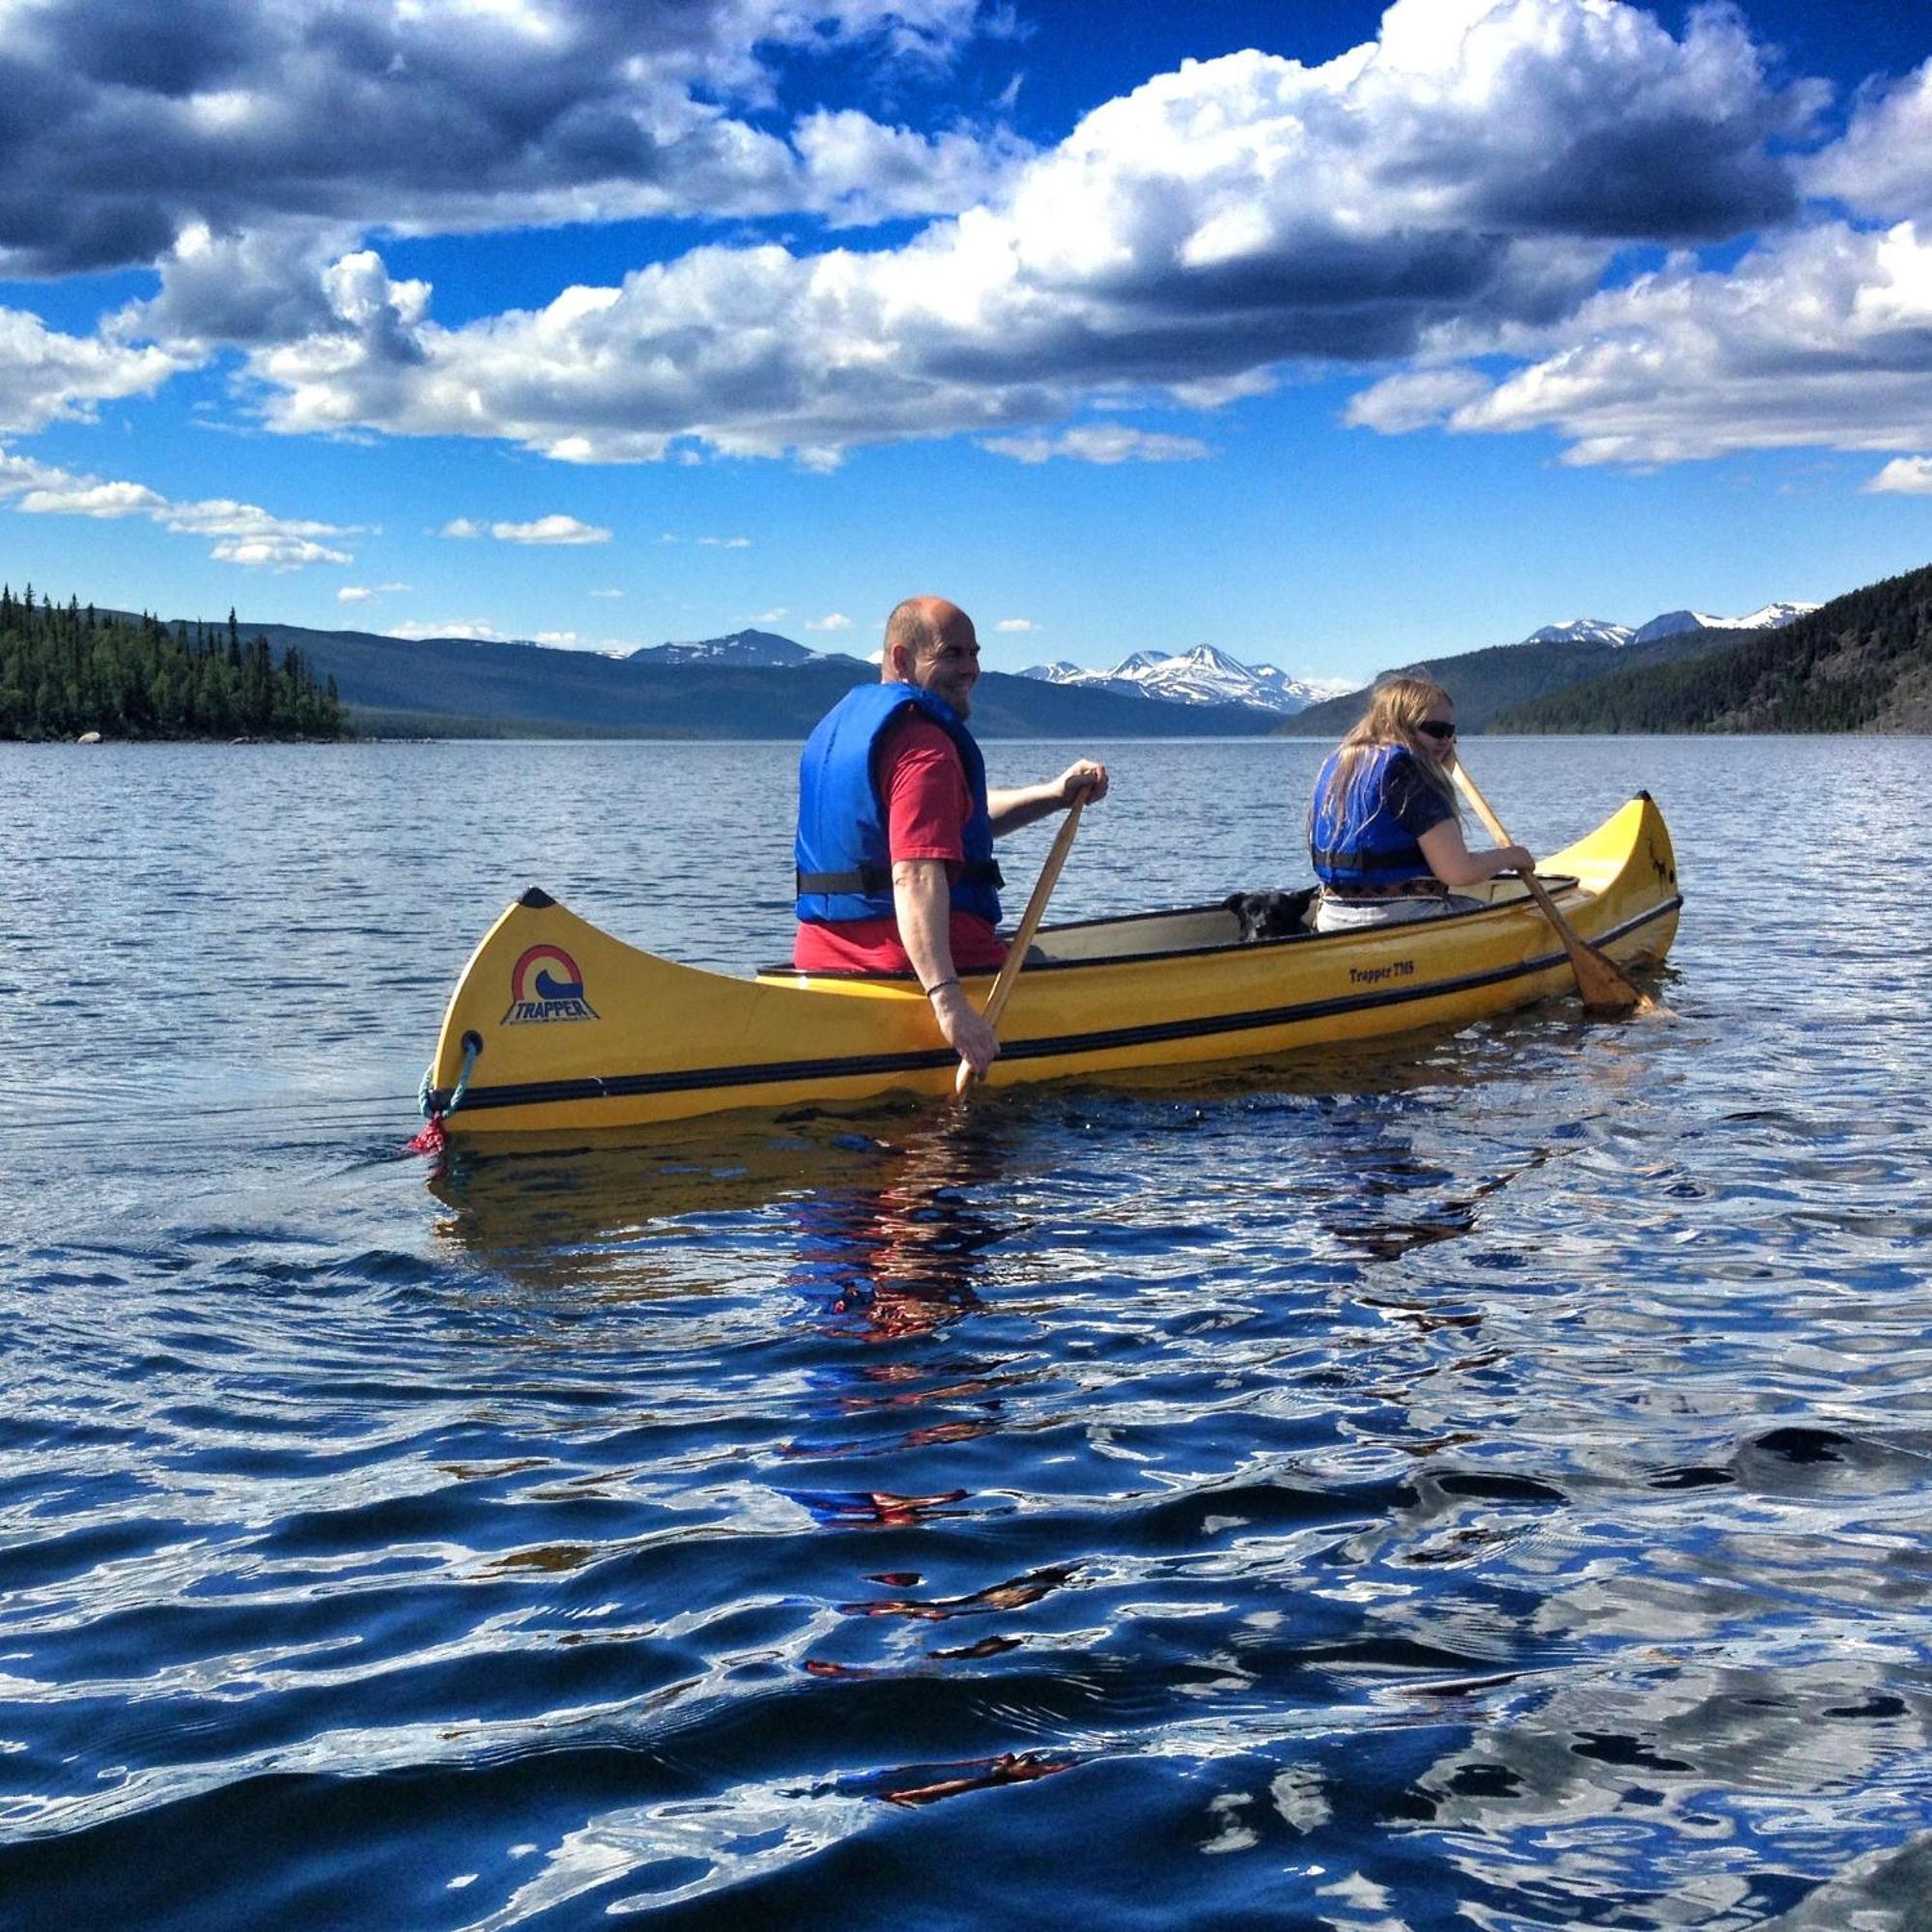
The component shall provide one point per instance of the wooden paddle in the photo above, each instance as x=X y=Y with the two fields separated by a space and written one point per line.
x=1604 y=986
x=1017 y=952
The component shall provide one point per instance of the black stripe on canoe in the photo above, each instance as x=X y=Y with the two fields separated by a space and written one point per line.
x=788 y=1073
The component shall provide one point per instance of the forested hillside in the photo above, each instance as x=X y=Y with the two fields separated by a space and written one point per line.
x=1861 y=663
x=1486 y=684
x=64 y=671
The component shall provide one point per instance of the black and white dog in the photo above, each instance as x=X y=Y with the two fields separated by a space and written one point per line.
x=1269 y=915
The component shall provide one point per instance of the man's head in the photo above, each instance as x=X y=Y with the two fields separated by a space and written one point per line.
x=931 y=643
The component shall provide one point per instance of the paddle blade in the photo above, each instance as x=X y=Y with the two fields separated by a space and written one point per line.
x=1603 y=984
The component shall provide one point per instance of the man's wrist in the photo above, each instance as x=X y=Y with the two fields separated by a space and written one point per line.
x=940 y=986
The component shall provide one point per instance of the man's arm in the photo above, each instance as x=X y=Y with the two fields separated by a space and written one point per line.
x=1083 y=779
x=922 y=903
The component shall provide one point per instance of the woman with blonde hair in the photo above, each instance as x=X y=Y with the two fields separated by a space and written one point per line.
x=1382 y=830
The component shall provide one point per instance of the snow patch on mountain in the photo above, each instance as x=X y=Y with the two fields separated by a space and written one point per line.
x=1203 y=675
x=1582 y=630
x=741 y=647
x=1669 y=624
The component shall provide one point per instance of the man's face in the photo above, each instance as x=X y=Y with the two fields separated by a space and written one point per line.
x=950 y=669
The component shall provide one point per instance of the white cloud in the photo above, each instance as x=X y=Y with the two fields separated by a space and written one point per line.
x=1883 y=165
x=471 y=629
x=727 y=543
x=607 y=593
x=1814 y=339
x=558 y=640
x=1099 y=443
x=245 y=533
x=354 y=593
x=276 y=552
x=47 y=377
x=1904 y=477
x=1016 y=624
x=68 y=497
x=552 y=529
x=835 y=620
x=235 y=117
x=1415 y=398
x=773 y=616
x=861 y=171
x=1475 y=169
x=461 y=527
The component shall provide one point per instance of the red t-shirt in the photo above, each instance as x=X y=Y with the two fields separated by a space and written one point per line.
x=923 y=781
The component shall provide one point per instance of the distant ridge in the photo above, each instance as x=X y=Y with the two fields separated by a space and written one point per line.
x=459 y=687
x=1487 y=683
x=1674 y=623
x=1861 y=662
x=1669 y=624
x=740 y=647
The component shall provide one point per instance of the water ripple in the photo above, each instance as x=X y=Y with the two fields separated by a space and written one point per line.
x=1475 y=1481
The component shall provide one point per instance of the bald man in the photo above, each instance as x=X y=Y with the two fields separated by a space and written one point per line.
x=896 y=825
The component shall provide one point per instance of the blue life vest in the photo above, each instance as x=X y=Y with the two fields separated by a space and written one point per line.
x=1360 y=843
x=844 y=866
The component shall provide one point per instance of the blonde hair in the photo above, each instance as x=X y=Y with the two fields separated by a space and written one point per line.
x=1396 y=707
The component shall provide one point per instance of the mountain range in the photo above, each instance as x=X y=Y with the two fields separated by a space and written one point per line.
x=752 y=684
x=1203 y=675
x=741 y=648
x=1671 y=624
x=1206 y=675
x=756 y=684
x=1861 y=662
x=1489 y=682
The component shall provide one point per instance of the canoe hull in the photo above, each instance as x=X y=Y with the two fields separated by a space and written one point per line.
x=562 y=1027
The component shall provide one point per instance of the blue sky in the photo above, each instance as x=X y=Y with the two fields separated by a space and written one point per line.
x=1328 y=334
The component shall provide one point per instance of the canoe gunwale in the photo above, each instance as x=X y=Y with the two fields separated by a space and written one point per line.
x=785 y=973
x=800 y=1072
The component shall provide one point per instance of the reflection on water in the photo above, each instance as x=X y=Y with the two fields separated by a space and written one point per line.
x=1476 y=1483
x=896 y=1254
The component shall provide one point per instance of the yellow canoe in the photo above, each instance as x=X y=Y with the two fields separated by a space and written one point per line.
x=556 y=1025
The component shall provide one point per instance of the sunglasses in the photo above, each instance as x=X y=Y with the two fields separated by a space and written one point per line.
x=1434 y=727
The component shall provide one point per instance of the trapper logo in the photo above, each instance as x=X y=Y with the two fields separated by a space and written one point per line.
x=546 y=986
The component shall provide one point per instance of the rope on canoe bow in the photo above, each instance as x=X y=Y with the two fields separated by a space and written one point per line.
x=432 y=1139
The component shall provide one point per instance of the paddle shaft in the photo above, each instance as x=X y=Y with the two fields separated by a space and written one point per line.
x=1599 y=979
x=1017 y=952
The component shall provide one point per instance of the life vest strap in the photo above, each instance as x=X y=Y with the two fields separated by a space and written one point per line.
x=870 y=879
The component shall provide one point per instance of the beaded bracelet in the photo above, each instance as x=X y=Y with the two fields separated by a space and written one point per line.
x=938 y=987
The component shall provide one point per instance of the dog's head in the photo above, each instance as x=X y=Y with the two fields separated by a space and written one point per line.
x=1267 y=915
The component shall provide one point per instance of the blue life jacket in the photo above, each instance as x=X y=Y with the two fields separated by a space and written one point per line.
x=1360 y=844
x=844 y=866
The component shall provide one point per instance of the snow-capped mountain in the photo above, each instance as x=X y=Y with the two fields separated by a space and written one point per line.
x=1582 y=630
x=1671 y=624
x=741 y=647
x=1203 y=675
x=1767 y=617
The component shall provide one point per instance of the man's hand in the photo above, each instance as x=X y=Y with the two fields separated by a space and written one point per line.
x=1082 y=781
x=965 y=1029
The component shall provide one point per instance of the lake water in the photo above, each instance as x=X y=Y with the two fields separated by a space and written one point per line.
x=1482 y=1484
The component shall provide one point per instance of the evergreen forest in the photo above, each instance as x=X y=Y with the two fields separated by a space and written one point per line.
x=66 y=672
x=1861 y=662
